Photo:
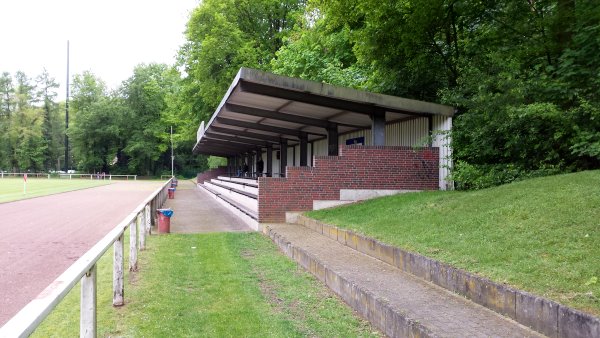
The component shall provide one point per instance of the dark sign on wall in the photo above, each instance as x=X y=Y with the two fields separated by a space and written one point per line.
x=356 y=140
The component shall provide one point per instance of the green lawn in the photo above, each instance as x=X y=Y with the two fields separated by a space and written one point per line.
x=212 y=285
x=541 y=235
x=11 y=189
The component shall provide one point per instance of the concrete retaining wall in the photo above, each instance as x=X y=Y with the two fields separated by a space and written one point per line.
x=389 y=320
x=543 y=315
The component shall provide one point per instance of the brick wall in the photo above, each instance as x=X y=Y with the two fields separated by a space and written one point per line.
x=357 y=167
x=210 y=174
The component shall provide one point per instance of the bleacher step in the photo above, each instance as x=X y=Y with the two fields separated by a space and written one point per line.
x=248 y=215
x=248 y=200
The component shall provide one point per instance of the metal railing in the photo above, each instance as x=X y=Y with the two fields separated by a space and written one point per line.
x=84 y=270
x=98 y=176
x=30 y=175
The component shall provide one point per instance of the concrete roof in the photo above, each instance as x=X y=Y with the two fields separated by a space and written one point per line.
x=262 y=108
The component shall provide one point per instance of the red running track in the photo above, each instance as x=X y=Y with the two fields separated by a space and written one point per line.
x=41 y=237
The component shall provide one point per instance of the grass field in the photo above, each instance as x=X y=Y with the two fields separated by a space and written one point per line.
x=541 y=235
x=212 y=285
x=11 y=189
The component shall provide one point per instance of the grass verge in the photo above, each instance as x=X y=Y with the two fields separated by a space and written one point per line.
x=541 y=235
x=213 y=285
x=12 y=188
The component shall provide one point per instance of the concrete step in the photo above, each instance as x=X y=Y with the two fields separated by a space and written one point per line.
x=324 y=204
x=249 y=216
x=250 y=189
x=248 y=181
x=242 y=199
x=398 y=303
x=540 y=314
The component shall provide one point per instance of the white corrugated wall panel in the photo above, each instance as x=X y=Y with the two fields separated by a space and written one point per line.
x=320 y=148
x=275 y=168
x=290 y=156
x=441 y=130
x=297 y=155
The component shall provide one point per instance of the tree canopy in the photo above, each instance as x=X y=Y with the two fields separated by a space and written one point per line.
x=523 y=76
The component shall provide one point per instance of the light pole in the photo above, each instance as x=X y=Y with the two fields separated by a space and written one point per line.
x=67 y=116
x=172 y=157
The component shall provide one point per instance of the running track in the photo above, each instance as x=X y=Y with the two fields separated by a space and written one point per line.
x=41 y=237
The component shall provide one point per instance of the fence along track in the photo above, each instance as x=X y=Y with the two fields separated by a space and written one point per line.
x=84 y=270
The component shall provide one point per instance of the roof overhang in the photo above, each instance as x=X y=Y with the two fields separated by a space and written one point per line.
x=261 y=109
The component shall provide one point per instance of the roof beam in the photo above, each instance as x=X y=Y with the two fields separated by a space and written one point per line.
x=220 y=144
x=264 y=127
x=235 y=139
x=319 y=100
x=247 y=134
x=277 y=115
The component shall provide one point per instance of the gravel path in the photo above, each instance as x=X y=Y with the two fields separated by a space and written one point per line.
x=41 y=237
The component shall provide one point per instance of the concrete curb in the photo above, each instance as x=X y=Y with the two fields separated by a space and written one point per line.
x=542 y=315
x=386 y=318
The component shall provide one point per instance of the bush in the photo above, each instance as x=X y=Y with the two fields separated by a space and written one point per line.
x=467 y=176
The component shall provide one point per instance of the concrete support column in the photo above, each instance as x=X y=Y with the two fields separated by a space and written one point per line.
x=235 y=165
x=247 y=162
x=303 y=149
x=282 y=157
x=312 y=153
x=332 y=140
x=259 y=157
x=430 y=129
x=269 y=160
x=378 y=128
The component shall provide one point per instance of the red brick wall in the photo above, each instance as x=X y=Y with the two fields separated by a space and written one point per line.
x=210 y=174
x=357 y=167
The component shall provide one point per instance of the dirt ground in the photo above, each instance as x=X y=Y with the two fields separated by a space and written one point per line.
x=41 y=237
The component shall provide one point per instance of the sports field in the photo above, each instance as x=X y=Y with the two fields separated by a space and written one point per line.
x=13 y=189
x=41 y=237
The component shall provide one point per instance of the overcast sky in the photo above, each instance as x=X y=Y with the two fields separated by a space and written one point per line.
x=108 y=37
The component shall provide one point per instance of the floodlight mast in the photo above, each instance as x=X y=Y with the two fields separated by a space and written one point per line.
x=67 y=116
x=172 y=157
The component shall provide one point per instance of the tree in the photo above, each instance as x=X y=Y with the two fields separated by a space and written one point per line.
x=86 y=92
x=97 y=134
x=146 y=93
x=46 y=93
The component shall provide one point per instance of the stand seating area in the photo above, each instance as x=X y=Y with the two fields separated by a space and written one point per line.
x=240 y=194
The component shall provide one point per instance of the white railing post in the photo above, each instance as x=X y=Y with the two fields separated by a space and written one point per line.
x=133 y=246
x=141 y=222
x=147 y=221
x=118 y=275
x=87 y=321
